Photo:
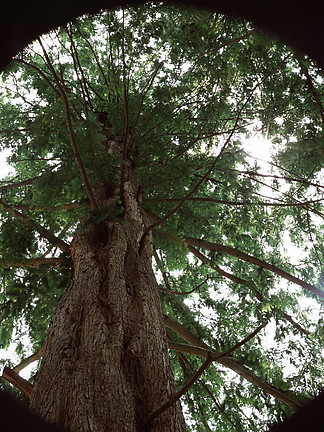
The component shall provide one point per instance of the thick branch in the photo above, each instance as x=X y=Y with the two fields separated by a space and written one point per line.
x=253 y=260
x=231 y=363
x=20 y=383
x=191 y=349
x=243 y=282
x=32 y=262
x=26 y=362
x=181 y=392
x=42 y=231
x=188 y=349
x=16 y=185
x=238 y=203
x=210 y=357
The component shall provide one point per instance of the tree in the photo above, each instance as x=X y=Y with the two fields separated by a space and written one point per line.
x=127 y=136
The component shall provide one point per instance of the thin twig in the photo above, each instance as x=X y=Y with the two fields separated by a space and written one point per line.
x=177 y=395
x=42 y=231
x=210 y=357
x=71 y=132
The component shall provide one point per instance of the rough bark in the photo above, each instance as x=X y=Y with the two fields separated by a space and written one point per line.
x=106 y=366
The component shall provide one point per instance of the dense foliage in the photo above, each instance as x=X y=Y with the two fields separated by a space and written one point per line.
x=185 y=90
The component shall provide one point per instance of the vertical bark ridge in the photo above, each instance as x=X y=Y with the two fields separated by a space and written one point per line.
x=106 y=365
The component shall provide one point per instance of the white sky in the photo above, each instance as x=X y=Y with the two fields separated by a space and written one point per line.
x=4 y=167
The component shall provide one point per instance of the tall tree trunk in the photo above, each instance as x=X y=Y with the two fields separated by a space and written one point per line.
x=106 y=365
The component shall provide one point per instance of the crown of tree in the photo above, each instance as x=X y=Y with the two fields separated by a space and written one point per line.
x=173 y=95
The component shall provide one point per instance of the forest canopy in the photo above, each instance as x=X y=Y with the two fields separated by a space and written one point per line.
x=238 y=242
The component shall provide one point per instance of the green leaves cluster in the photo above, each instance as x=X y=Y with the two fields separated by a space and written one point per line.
x=181 y=90
x=110 y=212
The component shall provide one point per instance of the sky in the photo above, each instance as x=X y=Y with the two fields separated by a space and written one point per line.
x=4 y=167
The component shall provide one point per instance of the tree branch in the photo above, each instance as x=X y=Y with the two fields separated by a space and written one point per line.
x=166 y=281
x=237 y=203
x=42 y=231
x=182 y=359
x=71 y=132
x=210 y=358
x=228 y=43
x=217 y=247
x=290 y=178
x=49 y=209
x=94 y=54
x=215 y=356
x=178 y=395
x=232 y=364
x=77 y=65
x=318 y=101
x=27 y=361
x=243 y=282
x=32 y=180
x=212 y=166
x=219 y=270
x=32 y=262
x=297 y=326
x=19 y=382
x=40 y=72
x=16 y=185
x=196 y=187
x=144 y=93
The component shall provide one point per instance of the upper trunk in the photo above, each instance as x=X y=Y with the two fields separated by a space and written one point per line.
x=106 y=365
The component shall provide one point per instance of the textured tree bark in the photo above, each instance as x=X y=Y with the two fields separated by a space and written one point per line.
x=106 y=366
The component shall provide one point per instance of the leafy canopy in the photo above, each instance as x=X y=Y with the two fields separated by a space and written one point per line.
x=184 y=90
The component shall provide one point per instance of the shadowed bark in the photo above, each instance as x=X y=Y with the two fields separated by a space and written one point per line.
x=106 y=366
